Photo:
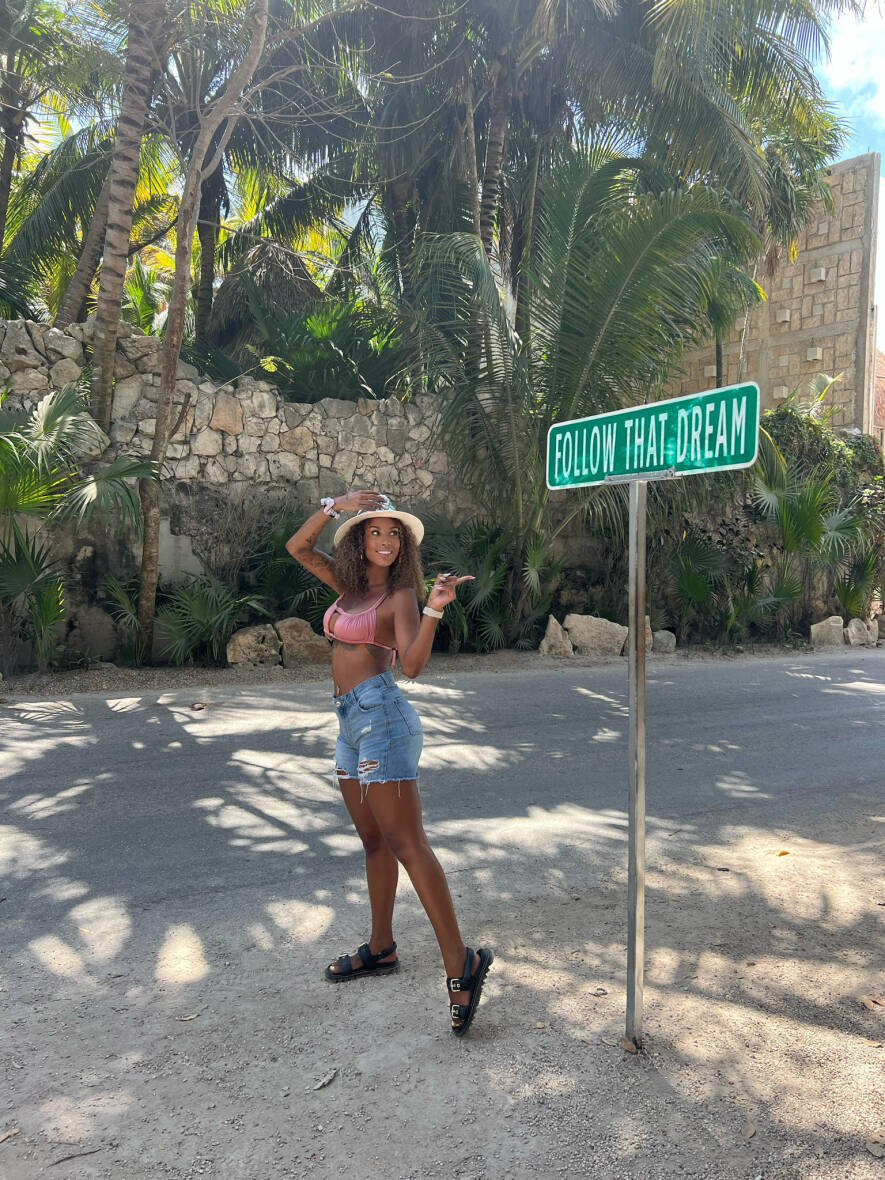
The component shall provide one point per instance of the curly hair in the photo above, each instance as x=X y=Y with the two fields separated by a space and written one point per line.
x=350 y=563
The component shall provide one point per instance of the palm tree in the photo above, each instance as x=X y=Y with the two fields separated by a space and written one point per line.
x=41 y=483
x=732 y=293
x=619 y=278
x=145 y=19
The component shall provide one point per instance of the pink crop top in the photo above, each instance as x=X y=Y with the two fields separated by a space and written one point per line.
x=355 y=626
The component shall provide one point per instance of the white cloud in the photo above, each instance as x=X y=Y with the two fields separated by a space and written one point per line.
x=854 y=72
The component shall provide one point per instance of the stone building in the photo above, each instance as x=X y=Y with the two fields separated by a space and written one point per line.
x=819 y=315
x=878 y=431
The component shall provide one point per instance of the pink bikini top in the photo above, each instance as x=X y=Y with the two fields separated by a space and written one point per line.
x=355 y=626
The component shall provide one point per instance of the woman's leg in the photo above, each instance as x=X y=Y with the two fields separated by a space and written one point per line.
x=382 y=871
x=396 y=807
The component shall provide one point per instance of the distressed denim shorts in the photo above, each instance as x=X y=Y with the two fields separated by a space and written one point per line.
x=380 y=735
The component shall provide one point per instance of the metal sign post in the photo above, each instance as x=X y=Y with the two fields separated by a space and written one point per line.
x=713 y=431
x=636 y=765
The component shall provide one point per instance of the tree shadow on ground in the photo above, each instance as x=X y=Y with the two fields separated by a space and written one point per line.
x=175 y=878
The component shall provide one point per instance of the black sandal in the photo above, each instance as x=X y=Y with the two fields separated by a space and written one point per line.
x=464 y=1013
x=370 y=964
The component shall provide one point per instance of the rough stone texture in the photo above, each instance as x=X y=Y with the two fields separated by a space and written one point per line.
x=301 y=643
x=64 y=372
x=880 y=623
x=873 y=630
x=255 y=646
x=60 y=346
x=93 y=634
x=663 y=642
x=127 y=394
x=207 y=443
x=828 y=632
x=595 y=637
x=555 y=641
x=227 y=415
x=241 y=436
x=857 y=634
x=805 y=312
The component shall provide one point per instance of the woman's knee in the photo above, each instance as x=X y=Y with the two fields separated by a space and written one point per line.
x=372 y=840
x=407 y=847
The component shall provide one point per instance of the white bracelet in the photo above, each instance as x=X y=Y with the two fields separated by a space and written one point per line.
x=328 y=506
x=434 y=614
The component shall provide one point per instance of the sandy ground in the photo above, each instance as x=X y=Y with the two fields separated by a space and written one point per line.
x=228 y=1057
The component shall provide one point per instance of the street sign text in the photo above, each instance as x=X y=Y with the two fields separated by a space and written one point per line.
x=713 y=431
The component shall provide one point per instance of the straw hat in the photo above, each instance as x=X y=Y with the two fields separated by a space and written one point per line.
x=414 y=524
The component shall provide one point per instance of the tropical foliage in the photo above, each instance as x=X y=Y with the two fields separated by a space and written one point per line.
x=529 y=209
x=43 y=482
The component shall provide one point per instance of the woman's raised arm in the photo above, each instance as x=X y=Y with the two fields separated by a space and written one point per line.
x=302 y=545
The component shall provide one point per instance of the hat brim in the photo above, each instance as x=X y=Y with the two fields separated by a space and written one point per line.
x=415 y=526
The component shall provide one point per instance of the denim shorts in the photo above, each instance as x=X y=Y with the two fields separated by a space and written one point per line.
x=380 y=735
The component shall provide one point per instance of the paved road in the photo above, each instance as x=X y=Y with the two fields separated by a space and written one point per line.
x=172 y=879
x=149 y=798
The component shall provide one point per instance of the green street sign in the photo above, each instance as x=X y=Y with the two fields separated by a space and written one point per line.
x=713 y=431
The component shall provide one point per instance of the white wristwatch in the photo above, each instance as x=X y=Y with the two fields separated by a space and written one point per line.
x=434 y=614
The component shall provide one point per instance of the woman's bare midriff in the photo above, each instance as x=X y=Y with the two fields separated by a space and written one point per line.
x=352 y=663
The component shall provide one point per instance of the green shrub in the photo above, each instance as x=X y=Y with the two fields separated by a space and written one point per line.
x=510 y=598
x=199 y=617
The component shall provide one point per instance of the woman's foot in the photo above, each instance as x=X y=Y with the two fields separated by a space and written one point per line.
x=463 y=1000
x=379 y=959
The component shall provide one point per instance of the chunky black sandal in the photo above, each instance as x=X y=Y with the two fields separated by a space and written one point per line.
x=464 y=1012
x=371 y=964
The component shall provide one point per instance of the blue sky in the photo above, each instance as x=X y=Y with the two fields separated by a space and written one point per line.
x=854 y=79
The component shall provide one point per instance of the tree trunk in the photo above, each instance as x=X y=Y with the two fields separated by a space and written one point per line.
x=399 y=192
x=499 y=122
x=7 y=163
x=207 y=232
x=70 y=310
x=718 y=361
x=472 y=163
x=522 y=315
x=145 y=19
x=197 y=169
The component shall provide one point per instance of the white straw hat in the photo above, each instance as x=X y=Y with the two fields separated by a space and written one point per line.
x=415 y=526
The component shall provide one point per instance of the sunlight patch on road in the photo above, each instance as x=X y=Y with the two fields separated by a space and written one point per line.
x=301 y=920
x=44 y=806
x=181 y=958
x=467 y=756
x=104 y=926
x=58 y=957
x=22 y=855
x=71 y=1121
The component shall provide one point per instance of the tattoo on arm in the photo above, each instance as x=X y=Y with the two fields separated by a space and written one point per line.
x=318 y=563
x=302 y=548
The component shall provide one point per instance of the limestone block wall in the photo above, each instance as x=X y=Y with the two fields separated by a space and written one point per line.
x=241 y=440
x=819 y=316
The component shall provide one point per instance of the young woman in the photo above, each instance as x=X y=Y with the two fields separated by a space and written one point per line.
x=376 y=571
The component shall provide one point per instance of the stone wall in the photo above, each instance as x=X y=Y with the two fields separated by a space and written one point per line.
x=242 y=440
x=819 y=316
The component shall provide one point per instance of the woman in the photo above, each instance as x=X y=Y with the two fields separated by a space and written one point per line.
x=376 y=571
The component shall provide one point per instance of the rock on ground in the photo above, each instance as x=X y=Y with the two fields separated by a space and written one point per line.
x=595 y=637
x=300 y=642
x=828 y=633
x=663 y=641
x=857 y=634
x=254 y=645
x=555 y=641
